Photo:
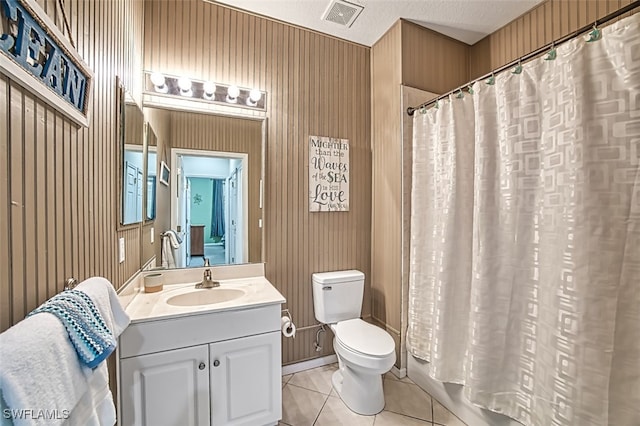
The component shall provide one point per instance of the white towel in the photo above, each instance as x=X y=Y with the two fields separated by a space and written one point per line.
x=174 y=238
x=168 y=260
x=102 y=293
x=96 y=407
x=40 y=372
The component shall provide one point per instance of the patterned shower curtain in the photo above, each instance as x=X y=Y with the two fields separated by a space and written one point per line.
x=525 y=249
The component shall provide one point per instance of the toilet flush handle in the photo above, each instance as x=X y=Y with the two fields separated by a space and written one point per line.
x=327 y=288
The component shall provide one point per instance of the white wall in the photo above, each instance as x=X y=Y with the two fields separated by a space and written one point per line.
x=133 y=157
x=217 y=168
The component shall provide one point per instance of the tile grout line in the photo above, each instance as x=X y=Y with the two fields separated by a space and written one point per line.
x=410 y=416
x=310 y=390
x=433 y=419
x=320 y=412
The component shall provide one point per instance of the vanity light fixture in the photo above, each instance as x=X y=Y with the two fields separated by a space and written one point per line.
x=232 y=94
x=207 y=91
x=184 y=83
x=159 y=82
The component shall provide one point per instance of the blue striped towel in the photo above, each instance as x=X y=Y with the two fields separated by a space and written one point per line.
x=90 y=336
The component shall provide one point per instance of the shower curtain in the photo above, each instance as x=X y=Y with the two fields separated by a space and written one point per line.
x=525 y=247
x=217 y=208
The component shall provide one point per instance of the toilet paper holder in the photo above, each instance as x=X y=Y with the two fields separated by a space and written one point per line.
x=288 y=327
x=288 y=314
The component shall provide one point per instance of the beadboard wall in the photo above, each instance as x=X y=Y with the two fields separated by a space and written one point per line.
x=316 y=85
x=406 y=57
x=549 y=21
x=60 y=218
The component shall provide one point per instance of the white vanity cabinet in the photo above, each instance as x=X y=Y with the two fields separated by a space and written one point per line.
x=219 y=368
x=167 y=388
x=244 y=384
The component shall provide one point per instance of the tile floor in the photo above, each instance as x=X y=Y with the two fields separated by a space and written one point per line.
x=309 y=399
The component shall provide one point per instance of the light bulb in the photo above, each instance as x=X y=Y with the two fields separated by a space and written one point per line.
x=184 y=83
x=209 y=88
x=233 y=91
x=157 y=79
x=255 y=95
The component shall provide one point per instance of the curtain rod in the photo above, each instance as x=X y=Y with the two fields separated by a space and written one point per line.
x=533 y=54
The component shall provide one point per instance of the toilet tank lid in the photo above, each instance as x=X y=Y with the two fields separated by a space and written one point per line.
x=335 y=277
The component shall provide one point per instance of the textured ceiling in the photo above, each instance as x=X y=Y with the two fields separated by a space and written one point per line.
x=465 y=20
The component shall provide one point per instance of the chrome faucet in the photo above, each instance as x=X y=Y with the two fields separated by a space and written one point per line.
x=207 y=280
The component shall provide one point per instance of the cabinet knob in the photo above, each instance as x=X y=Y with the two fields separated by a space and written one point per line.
x=216 y=363
x=202 y=366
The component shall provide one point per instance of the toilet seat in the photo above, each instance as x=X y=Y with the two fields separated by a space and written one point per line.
x=362 y=338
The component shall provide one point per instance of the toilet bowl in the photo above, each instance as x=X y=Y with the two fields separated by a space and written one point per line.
x=364 y=352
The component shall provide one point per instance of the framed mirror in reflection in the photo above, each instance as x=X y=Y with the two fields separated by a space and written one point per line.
x=209 y=211
x=132 y=166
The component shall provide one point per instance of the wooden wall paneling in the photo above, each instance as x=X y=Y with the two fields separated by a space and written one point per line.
x=160 y=121
x=480 y=56
x=549 y=21
x=59 y=201
x=16 y=191
x=624 y=3
x=50 y=189
x=40 y=209
x=29 y=202
x=5 y=249
x=55 y=225
x=67 y=207
x=526 y=31
x=432 y=61
x=386 y=71
x=301 y=72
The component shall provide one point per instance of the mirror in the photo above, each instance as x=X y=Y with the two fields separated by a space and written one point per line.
x=206 y=187
x=132 y=165
x=152 y=175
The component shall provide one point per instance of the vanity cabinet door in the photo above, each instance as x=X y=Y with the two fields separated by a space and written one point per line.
x=246 y=383
x=166 y=388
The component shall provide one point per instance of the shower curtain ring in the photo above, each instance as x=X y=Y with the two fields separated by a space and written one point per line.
x=460 y=95
x=595 y=34
x=491 y=80
x=518 y=68
x=552 y=53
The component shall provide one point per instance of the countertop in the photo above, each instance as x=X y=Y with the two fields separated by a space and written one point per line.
x=144 y=307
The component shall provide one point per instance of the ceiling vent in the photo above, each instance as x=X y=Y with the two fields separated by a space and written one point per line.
x=342 y=13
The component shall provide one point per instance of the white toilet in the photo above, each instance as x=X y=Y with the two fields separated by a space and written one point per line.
x=364 y=351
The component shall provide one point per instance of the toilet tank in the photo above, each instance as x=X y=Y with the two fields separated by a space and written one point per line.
x=337 y=295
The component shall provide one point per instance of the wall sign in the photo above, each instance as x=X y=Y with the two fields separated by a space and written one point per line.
x=328 y=174
x=37 y=55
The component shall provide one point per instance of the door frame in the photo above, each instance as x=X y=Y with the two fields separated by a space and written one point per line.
x=175 y=193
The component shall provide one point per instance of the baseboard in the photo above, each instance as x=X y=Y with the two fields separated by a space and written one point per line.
x=399 y=372
x=307 y=365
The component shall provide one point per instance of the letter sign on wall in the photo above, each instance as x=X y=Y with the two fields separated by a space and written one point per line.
x=36 y=54
x=328 y=174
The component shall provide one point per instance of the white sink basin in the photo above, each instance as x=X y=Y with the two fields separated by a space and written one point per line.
x=207 y=296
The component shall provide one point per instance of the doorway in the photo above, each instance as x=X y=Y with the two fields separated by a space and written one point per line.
x=208 y=209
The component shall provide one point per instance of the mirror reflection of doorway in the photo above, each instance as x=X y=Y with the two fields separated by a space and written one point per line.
x=210 y=212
